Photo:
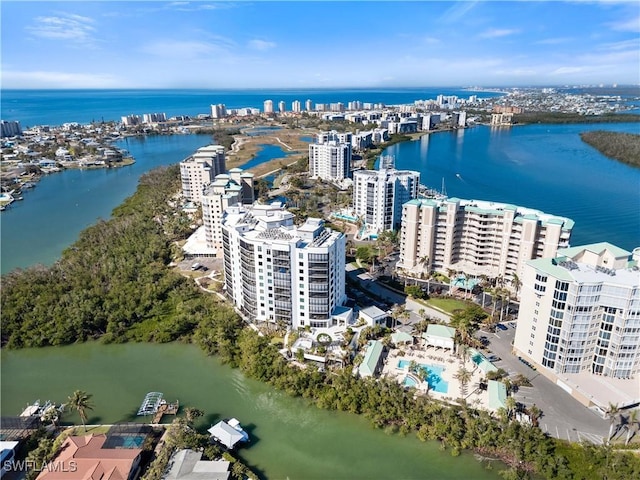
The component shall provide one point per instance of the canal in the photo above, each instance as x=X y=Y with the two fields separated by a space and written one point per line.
x=289 y=438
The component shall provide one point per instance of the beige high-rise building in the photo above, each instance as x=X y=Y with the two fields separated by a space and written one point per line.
x=477 y=237
x=268 y=106
x=199 y=170
x=579 y=322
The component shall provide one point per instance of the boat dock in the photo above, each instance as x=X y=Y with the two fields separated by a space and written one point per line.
x=154 y=404
x=165 y=409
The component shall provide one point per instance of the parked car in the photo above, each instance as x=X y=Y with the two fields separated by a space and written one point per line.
x=502 y=327
x=493 y=358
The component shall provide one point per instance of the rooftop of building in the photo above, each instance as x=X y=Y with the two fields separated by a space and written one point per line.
x=274 y=223
x=565 y=267
x=496 y=208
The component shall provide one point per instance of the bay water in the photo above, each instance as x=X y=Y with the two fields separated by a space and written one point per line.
x=544 y=167
x=290 y=439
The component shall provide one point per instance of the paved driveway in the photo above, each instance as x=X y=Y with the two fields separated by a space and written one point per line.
x=562 y=415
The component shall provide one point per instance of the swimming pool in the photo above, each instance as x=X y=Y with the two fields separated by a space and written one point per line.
x=434 y=376
x=409 y=381
x=348 y=218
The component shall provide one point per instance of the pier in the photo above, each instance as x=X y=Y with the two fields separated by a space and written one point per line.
x=165 y=409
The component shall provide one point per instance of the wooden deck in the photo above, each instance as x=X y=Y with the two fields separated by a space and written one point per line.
x=165 y=409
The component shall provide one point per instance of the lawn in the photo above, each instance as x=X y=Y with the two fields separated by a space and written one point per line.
x=449 y=305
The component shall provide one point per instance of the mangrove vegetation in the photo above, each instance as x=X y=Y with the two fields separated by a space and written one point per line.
x=624 y=147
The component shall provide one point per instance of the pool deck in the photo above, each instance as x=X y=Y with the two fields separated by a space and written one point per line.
x=442 y=358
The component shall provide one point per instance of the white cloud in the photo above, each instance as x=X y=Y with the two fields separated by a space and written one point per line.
x=261 y=45
x=182 y=49
x=626 y=25
x=456 y=12
x=498 y=32
x=64 y=26
x=567 y=70
x=52 y=79
x=553 y=41
x=195 y=6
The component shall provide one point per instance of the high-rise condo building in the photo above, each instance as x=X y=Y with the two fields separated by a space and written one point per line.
x=233 y=188
x=200 y=169
x=10 y=128
x=579 y=322
x=378 y=196
x=308 y=105
x=277 y=272
x=330 y=160
x=477 y=237
x=218 y=111
x=282 y=106
x=268 y=106
x=296 y=106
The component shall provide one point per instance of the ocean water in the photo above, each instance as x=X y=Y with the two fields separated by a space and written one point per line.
x=55 y=107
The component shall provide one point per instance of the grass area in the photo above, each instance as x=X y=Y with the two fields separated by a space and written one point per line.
x=95 y=430
x=449 y=305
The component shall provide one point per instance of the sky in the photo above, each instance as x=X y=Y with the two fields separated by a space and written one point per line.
x=263 y=44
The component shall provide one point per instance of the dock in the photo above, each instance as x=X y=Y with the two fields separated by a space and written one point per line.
x=165 y=409
x=154 y=404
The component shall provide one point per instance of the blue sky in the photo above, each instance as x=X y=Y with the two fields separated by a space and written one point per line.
x=261 y=44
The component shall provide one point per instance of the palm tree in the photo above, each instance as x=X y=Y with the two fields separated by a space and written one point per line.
x=511 y=404
x=534 y=413
x=81 y=402
x=612 y=412
x=631 y=425
x=463 y=376
x=516 y=283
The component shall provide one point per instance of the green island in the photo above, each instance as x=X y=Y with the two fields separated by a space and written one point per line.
x=565 y=117
x=116 y=284
x=624 y=147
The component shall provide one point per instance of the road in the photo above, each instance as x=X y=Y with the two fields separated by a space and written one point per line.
x=369 y=284
x=562 y=416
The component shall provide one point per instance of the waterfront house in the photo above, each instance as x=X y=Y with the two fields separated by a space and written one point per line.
x=86 y=456
x=228 y=433
x=187 y=465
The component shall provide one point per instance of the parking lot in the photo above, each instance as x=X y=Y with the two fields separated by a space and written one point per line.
x=562 y=416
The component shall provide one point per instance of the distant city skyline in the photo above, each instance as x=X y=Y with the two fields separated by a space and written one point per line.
x=321 y=44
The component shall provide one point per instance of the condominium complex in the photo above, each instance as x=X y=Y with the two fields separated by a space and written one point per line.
x=218 y=111
x=378 y=196
x=277 y=272
x=200 y=169
x=579 y=318
x=226 y=190
x=477 y=237
x=10 y=128
x=330 y=160
x=268 y=106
